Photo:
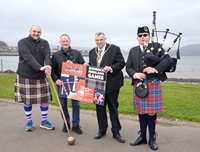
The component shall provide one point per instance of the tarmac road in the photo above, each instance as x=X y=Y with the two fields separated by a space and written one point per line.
x=14 y=138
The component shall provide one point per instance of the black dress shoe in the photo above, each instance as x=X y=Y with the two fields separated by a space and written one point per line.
x=119 y=138
x=65 y=129
x=139 y=141
x=77 y=129
x=153 y=144
x=99 y=135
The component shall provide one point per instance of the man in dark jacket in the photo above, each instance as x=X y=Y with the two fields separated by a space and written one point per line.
x=109 y=57
x=151 y=75
x=69 y=55
x=31 y=85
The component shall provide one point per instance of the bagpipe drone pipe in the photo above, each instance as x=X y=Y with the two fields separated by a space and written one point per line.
x=151 y=59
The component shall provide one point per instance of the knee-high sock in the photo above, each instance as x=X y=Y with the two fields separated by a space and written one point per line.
x=143 y=118
x=28 y=112
x=152 y=125
x=44 y=109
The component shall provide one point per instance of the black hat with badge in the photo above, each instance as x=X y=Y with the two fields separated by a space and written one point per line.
x=143 y=29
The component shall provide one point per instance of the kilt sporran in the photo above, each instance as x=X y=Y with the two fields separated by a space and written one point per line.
x=141 y=90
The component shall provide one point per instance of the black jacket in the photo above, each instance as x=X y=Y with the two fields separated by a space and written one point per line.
x=57 y=60
x=32 y=55
x=113 y=58
x=134 y=63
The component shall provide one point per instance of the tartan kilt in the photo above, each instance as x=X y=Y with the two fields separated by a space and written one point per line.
x=151 y=104
x=30 y=91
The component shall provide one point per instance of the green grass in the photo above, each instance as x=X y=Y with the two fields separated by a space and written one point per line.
x=7 y=85
x=181 y=101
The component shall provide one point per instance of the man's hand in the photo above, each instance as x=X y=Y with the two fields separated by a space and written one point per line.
x=106 y=69
x=58 y=82
x=46 y=69
x=69 y=61
x=149 y=70
x=86 y=64
x=140 y=76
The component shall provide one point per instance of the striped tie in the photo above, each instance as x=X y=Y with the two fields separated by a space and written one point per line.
x=143 y=48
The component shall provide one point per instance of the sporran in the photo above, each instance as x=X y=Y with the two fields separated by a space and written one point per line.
x=142 y=90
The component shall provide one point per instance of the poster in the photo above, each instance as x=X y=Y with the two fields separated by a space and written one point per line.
x=81 y=83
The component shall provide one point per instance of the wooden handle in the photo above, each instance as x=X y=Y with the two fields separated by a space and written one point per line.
x=59 y=104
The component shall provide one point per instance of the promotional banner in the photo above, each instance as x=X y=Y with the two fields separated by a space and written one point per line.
x=81 y=83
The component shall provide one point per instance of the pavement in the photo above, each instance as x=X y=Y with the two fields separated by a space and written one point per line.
x=172 y=135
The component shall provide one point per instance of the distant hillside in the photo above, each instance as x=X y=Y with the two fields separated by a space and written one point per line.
x=3 y=43
x=188 y=50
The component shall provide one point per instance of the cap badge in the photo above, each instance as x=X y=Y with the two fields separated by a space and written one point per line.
x=145 y=29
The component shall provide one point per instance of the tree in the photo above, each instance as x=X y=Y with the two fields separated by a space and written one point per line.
x=3 y=43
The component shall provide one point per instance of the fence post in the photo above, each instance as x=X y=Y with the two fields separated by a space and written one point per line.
x=2 y=68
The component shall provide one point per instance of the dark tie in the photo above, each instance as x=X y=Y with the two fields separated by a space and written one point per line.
x=99 y=58
x=143 y=48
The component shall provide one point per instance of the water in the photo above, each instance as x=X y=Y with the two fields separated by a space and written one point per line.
x=9 y=62
x=187 y=67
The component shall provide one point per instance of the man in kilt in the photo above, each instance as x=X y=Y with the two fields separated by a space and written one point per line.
x=31 y=85
x=153 y=103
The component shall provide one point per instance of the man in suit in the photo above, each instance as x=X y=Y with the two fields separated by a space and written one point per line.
x=138 y=71
x=110 y=58
x=69 y=55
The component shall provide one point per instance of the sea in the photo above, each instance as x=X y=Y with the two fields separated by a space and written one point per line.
x=188 y=67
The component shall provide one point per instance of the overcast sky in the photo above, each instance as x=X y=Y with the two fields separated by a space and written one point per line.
x=81 y=19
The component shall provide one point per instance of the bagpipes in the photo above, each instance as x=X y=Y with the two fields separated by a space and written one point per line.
x=151 y=59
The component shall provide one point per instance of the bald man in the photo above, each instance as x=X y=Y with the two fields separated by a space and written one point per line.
x=31 y=85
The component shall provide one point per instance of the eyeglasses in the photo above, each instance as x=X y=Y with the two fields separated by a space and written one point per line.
x=144 y=35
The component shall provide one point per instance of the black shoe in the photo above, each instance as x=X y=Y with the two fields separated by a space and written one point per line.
x=65 y=129
x=119 y=138
x=139 y=141
x=153 y=144
x=77 y=129
x=99 y=135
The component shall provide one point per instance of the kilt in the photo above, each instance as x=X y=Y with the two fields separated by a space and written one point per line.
x=151 y=104
x=30 y=91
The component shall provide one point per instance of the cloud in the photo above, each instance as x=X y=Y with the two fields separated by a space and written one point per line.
x=82 y=19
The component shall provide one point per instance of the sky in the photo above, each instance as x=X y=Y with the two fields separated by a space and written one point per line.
x=81 y=19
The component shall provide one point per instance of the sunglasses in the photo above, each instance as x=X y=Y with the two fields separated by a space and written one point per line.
x=144 y=35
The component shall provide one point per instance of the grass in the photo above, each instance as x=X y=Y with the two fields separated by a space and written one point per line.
x=181 y=101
